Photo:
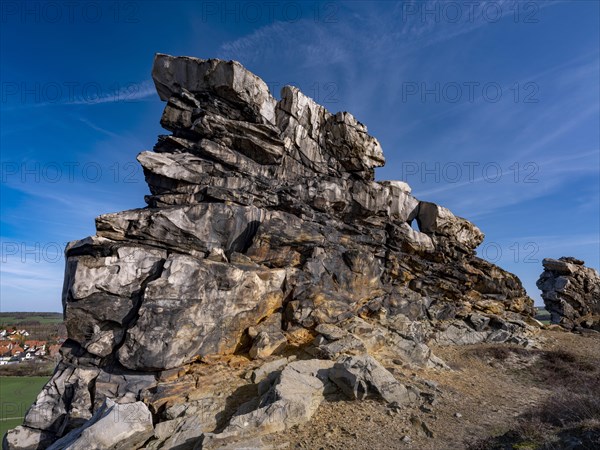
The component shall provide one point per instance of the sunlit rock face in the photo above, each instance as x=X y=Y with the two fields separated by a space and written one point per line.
x=571 y=293
x=264 y=220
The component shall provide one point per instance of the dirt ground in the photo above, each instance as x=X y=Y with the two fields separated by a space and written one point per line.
x=490 y=390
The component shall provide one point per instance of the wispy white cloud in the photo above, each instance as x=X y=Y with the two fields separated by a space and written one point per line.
x=99 y=129
x=392 y=31
x=31 y=277
x=30 y=294
x=129 y=93
x=537 y=247
x=549 y=167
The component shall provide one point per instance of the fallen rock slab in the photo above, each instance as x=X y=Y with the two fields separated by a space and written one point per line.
x=113 y=426
x=360 y=376
x=293 y=398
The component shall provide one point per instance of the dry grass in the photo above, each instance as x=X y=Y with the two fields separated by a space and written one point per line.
x=41 y=368
x=568 y=418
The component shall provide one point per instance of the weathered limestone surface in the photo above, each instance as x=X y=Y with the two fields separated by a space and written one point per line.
x=359 y=376
x=113 y=426
x=571 y=293
x=198 y=307
x=292 y=399
x=265 y=232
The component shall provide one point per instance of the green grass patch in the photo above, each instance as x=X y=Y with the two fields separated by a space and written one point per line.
x=542 y=315
x=17 y=394
x=8 y=319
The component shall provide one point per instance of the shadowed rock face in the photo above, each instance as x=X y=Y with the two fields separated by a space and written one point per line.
x=263 y=220
x=571 y=293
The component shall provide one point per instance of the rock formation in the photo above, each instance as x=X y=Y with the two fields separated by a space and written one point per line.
x=571 y=293
x=265 y=233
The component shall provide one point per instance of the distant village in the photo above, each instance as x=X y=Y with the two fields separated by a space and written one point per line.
x=15 y=347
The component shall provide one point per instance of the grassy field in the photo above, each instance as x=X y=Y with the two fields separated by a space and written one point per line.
x=44 y=326
x=15 y=318
x=542 y=315
x=16 y=395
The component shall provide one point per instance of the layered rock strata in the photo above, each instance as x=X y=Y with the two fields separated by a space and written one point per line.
x=265 y=233
x=571 y=293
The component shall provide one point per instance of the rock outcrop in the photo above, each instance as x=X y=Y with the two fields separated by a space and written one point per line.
x=571 y=293
x=265 y=233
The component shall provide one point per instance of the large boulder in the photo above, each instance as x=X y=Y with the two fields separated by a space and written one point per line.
x=359 y=376
x=292 y=399
x=113 y=427
x=26 y=438
x=228 y=79
x=437 y=220
x=571 y=293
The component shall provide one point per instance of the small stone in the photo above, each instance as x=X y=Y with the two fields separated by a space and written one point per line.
x=428 y=432
x=431 y=384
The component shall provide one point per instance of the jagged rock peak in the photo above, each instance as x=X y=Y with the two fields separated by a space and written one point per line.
x=238 y=94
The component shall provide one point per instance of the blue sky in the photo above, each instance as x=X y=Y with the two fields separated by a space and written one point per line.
x=490 y=109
